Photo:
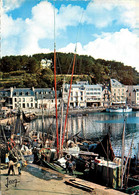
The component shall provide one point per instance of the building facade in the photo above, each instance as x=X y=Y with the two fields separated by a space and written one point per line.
x=83 y=95
x=132 y=94
x=118 y=92
x=28 y=98
x=106 y=99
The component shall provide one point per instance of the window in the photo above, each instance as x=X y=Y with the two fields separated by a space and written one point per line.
x=23 y=99
x=15 y=99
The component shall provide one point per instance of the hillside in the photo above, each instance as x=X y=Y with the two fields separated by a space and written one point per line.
x=26 y=71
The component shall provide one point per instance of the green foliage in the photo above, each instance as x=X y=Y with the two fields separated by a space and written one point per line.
x=1 y=75
x=25 y=71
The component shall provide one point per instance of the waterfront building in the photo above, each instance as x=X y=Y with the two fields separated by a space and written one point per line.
x=4 y=97
x=118 y=92
x=132 y=94
x=106 y=99
x=28 y=98
x=46 y=97
x=83 y=94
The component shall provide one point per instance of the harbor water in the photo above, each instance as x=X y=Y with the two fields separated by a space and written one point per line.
x=96 y=125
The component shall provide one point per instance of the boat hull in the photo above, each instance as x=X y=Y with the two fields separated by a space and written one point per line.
x=119 y=110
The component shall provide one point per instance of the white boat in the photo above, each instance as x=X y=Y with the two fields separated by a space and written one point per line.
x=120 y=109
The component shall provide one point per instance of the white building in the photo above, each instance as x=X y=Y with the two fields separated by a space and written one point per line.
x=26 y=98
x=83 y=94
x=45 y=63
x=106 y=99
x=118 y=92
x=133 y=94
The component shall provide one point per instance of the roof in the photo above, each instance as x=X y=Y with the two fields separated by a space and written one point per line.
x=22 y=92
x=115 y=83
x=84 y=86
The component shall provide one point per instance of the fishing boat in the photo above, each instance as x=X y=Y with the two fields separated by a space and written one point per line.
x=123 y=109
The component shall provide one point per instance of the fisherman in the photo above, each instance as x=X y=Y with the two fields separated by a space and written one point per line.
x=68 y=159
x=11 y=167
x=6 y=158
x=70 y=164
x=19 y=165
x=70 y=167
x=73 y=166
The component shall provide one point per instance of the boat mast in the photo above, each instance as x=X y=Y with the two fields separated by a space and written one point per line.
x=69 y=95
x=62 y=104
x=123 y=151
x=55 y=87
x=42 y=123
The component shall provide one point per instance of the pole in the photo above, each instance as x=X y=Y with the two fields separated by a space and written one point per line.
x=55 y=88
x=42 y=124
x=138 y=152
x=61 y=118
x=123 y=149
x=69 y=98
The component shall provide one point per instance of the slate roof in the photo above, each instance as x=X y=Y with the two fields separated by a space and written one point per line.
x=115 y=83
x=22 y=92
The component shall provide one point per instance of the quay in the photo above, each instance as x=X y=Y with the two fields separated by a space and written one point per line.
x=32 y=185
x=51 y=113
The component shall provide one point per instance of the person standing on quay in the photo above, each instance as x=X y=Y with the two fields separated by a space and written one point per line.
x=11 y=167
x=6 y=158
x=19 y=165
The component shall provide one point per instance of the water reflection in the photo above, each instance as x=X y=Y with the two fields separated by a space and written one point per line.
x=96 y=125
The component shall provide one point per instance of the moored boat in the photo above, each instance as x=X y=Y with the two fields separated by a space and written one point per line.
x=123 y=109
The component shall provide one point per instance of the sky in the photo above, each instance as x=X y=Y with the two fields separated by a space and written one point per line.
x=106 y=29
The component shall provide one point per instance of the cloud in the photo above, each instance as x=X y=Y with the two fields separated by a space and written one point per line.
x=27 y=33
x=70 y=48
x=9 y=5
x=122 y=46
x=102 y=13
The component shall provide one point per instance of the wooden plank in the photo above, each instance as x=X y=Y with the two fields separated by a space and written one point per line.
x=93 y=186
x=78 y=185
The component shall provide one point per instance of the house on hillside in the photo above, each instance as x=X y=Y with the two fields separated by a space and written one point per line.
x=45 y=63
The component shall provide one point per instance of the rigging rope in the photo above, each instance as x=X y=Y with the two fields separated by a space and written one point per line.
x=71 y=84
x=68 y=98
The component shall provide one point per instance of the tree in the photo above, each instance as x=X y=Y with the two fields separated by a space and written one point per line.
x=32 y=65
